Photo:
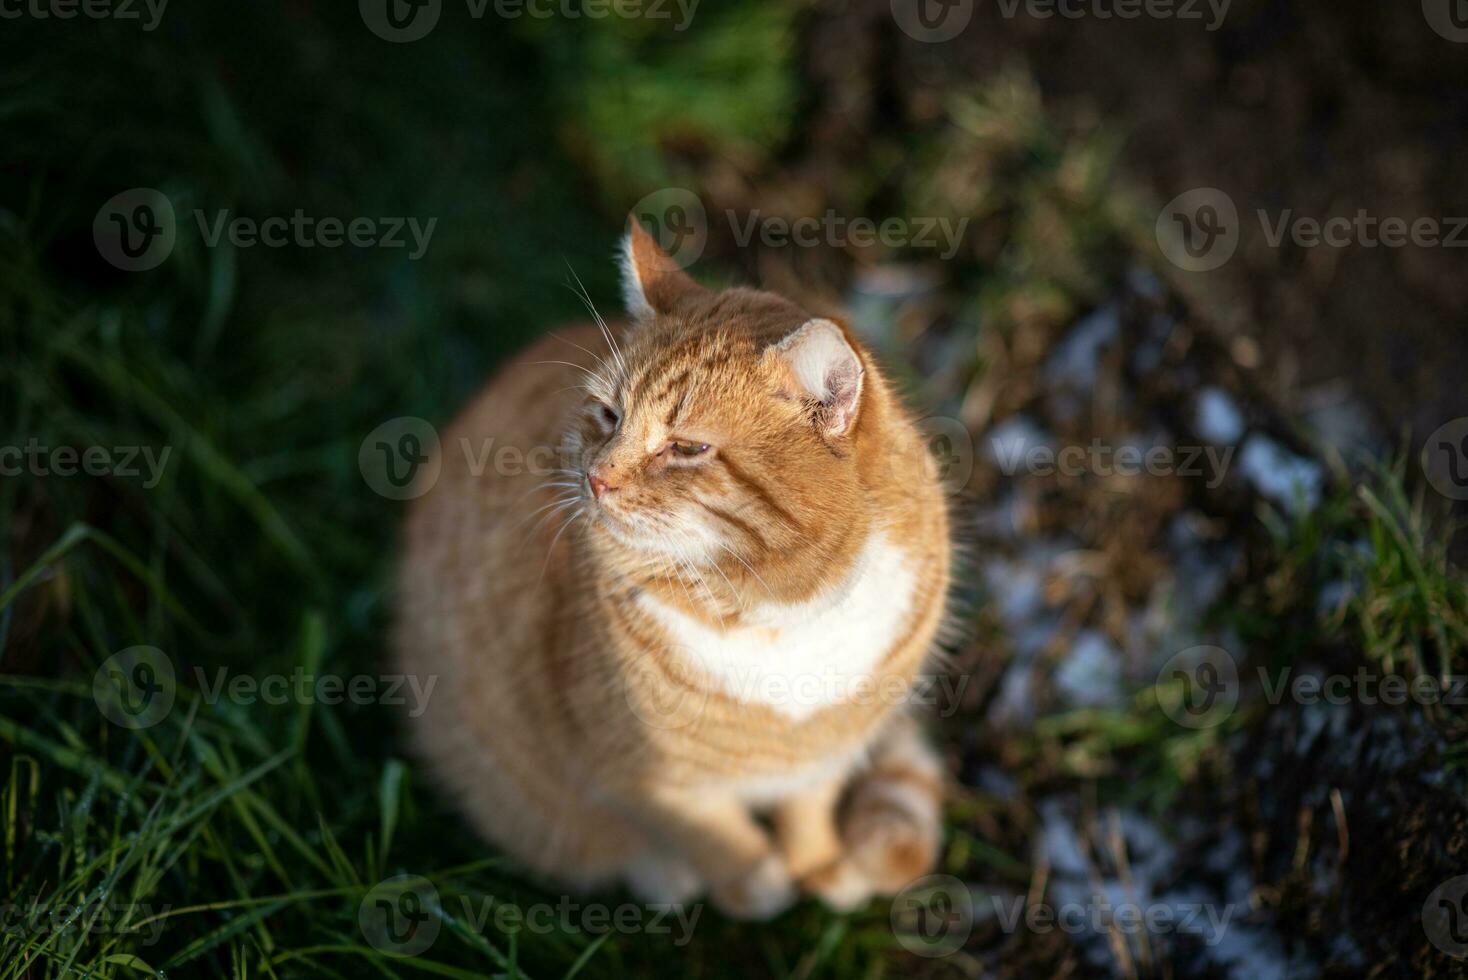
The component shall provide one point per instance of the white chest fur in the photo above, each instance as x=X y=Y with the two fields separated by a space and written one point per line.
x=798 y=659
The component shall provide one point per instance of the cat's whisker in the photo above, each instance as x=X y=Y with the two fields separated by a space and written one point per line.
x=599 y=359
x=555 y=507
x=666 y=570
x=675 y=563
x=590 y=374
x=601 y=324
x=611 y=343
x=738 y=598
x=693 y=570
x=685 y=583
x=552 y=549
x=546 y=486
x=693 y=566
x=748 y=566
x=702 y=586
x=570 y=364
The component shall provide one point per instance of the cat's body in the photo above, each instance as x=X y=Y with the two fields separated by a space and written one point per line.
x=715 y=607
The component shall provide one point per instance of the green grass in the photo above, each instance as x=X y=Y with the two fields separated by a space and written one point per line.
x=1404 y=609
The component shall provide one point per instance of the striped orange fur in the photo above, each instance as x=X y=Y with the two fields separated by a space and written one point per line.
x=713 y=606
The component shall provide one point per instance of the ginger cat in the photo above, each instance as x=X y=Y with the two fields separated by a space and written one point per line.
x=712 y=611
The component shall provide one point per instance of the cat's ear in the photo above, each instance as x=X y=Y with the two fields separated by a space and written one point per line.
x=826 y=367
x=651 y=281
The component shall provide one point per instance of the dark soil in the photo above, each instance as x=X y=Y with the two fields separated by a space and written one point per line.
x=1324 y=111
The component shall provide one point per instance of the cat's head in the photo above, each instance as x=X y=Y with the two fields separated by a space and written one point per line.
x=721 y=422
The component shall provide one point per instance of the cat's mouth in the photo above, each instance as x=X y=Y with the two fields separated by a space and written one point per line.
x=633 y=528
x=601 y=511
x=627 y=530
x=621 y=529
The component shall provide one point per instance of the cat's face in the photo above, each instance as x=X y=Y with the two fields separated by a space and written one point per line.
x=720 y=424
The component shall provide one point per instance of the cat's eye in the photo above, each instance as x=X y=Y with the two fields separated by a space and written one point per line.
x=609 y=415
x=690 y=448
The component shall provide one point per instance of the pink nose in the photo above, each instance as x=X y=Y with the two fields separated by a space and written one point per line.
x=599 y=486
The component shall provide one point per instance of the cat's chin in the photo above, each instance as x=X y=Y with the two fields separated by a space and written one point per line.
x=647 y=542
x=620 y=531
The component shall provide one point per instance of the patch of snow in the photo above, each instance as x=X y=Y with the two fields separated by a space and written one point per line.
x=1200 y=567
x=1009 y=442
x=1014 y=704
x=1147 y=354
x=1062 y=843
x=1074 y=360
x=1029 y=639
x=1015 y=589
x=997 y=782
x=1313 y=719
x=1091 y=674
x=1217 y=417
x=1198 y=912
x=895 y=281
x=879 y=294
x=1289 y=480
x=1345 y=951
x=1251 y=953
x=1144 y=282
x=1149 y=852
x=1002 y=519
x=1340 y=423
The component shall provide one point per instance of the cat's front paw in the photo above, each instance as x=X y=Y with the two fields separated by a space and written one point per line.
x=841 y=885
x=890 y=844
x=762 y=892
x=660 y=879
x=887 y=848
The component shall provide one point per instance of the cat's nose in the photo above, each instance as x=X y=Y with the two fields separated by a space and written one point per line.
x=598 y=482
